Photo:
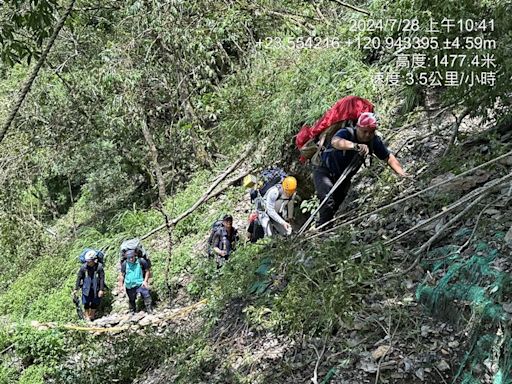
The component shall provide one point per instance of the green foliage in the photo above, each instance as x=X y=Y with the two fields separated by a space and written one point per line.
x=35 y=374
x=35 y=346
x=23 y=27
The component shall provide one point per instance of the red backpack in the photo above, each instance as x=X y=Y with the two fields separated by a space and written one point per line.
x=311 y=141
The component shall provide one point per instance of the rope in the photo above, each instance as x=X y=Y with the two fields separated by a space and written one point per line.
x=354 y=164
x=407 y=197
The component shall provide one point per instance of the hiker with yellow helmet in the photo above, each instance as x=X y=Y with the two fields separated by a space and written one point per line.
x=278 y=204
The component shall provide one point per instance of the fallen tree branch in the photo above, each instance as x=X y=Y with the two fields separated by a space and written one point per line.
x=360 y=10
x=207 y=195
x=400 y=201
x=479 y=194
x=26 y=87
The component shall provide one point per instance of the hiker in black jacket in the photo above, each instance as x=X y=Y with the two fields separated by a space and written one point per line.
x=91 y=277
x=224 y=240
x=344 y=146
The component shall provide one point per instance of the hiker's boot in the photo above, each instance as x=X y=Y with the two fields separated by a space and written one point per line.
x=132 y=308
x=147 y=303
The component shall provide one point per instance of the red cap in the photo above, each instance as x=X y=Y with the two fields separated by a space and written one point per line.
x=367 y=120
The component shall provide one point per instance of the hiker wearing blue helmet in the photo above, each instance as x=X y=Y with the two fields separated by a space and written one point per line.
x=134 y=277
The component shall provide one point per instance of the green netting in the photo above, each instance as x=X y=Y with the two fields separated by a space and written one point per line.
x=469 y=292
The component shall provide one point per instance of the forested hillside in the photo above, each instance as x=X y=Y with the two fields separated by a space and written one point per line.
x=141 y=119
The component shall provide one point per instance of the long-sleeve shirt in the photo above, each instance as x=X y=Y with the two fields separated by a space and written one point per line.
x=271 y=197
x=90 y=277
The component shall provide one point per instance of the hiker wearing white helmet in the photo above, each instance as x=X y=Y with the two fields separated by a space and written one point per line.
x=91 y=277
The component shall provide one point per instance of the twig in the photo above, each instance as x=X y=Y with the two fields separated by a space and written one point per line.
x=456 y=126
x=389 y=347
x=482 y=191
x=360 y=10
x=440 y=375
x=7 y=349
x=456 y=218
x=314 y=379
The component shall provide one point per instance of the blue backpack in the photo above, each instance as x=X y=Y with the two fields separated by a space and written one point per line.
x=100 y=256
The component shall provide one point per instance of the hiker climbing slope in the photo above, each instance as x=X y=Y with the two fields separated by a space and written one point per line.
x=91 y=277
x=223 y=240
x=278 y=204
x=345 y=145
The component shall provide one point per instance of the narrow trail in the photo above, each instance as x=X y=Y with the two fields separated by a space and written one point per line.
x=117 y=322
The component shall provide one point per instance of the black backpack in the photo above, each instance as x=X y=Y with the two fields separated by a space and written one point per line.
x=216 y=226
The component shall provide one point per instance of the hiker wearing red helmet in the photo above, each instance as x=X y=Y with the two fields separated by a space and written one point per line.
x=344 y=146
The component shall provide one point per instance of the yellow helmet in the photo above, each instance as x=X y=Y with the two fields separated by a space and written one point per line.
x=289 y=185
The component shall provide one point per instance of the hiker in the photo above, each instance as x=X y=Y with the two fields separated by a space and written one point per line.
x=255 y=230
x=224 y=240
x=278 y=204
x=91 y=277
x=347 y=143
x=134 y=276
x=136 y=245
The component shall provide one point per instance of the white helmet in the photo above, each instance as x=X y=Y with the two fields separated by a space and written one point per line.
x=91 y=255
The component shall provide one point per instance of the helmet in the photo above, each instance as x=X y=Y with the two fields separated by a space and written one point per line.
x=91 y=255
x=367 y=120
x=130 y=253
x=227 y=218
x=290 y=185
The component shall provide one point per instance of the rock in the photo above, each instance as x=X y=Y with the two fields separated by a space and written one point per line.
x=380 y=351
x=368 y=366
x=425 y=329
x=453 y=344
x=508 y=236
x=443 y=365
x=462 y=184
x=420 y=374
x=408 y=365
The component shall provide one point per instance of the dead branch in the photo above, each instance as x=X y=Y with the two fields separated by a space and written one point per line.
x=319 y=356
x=456 y=126
x=206 y=196
x=479 y=194
x=26 y=87
x=452 y=221
x=360 y=10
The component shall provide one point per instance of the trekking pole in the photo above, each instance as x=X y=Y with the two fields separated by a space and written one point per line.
x=353 y=165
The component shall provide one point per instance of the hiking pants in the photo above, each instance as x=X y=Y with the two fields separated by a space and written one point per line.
x=324 y=181
x=91 y=301
x=132 y=295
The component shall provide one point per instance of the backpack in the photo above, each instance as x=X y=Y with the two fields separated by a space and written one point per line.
x=311 y=141
x=216 y=226
x=136 y=245
x=100 y=256
x=269 y=178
